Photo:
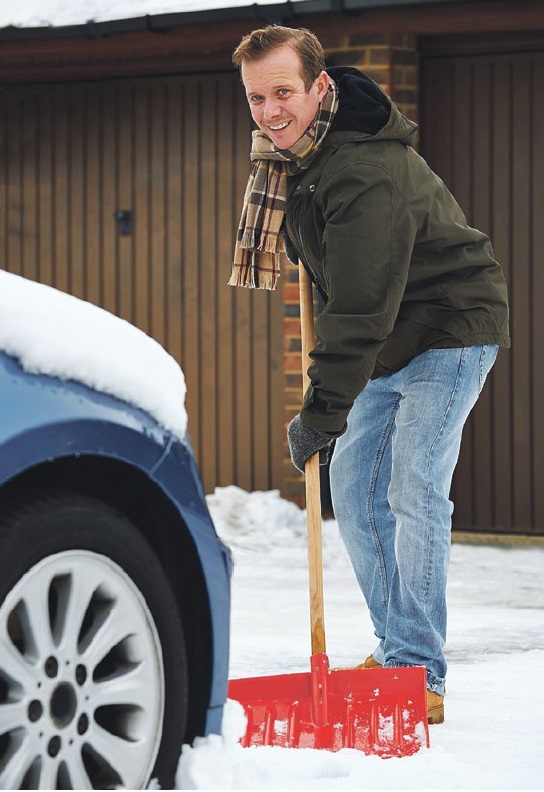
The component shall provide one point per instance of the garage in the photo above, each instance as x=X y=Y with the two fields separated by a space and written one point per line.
x=483 y=132
x=126 y=193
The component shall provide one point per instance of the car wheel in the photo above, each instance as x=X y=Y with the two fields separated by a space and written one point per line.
x=93 y=674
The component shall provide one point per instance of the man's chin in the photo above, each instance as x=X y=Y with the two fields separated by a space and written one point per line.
x=281 y=140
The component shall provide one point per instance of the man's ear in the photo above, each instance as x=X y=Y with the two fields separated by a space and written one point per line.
x=322 y=84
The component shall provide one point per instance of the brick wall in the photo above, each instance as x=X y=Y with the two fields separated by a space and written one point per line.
x=392 y=61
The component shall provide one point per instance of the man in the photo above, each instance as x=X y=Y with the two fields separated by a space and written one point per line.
x=415 y=311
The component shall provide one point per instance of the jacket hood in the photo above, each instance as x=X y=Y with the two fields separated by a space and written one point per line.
x=365 y=108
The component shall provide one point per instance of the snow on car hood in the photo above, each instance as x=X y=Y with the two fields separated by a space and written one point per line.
x=54 y=333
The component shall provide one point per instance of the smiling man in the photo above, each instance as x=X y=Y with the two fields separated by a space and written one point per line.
x=415 y=312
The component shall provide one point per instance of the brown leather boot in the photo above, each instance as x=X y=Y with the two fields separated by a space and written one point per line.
x=435 y=707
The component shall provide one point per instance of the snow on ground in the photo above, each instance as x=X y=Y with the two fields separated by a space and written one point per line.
x=493 y=736
x=50 y=332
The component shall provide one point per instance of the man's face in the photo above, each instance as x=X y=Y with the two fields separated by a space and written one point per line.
x=280 y=104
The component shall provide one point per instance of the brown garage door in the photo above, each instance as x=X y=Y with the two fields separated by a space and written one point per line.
x=127 y=193
x=483 y=132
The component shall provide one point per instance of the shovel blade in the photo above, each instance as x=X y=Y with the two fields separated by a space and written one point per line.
x=378 y=711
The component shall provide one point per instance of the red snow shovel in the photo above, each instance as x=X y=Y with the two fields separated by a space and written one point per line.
x=379 y=711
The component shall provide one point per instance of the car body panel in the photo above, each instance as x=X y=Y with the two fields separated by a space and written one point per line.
x=217 y=570
x=73 y=418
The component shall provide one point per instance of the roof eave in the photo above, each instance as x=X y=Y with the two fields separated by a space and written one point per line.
x=275 y=13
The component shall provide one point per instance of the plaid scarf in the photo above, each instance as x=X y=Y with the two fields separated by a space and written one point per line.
x=259 y=240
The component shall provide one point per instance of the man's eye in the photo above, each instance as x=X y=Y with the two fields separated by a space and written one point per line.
x=255 y=98
x=283 y=91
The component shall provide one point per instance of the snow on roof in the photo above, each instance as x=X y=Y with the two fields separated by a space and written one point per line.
x=56 y=13
x=54 y=333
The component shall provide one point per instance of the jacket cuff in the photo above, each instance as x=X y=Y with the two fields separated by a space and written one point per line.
x=316 y=414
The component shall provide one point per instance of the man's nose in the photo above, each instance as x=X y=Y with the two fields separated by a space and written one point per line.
x=271 y=109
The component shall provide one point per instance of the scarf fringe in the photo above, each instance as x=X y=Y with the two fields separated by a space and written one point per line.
x=256 y=271
x=267 y=282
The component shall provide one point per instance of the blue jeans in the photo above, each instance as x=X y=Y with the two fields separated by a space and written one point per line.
x=390 y=477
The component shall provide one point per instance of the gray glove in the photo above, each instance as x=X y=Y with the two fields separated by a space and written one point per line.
x=304 y=442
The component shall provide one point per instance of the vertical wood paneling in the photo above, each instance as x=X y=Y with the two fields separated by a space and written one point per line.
x=226 y=223
x=142 y=206
x=482 y=431
x=61 y=163
x=174 y=298
x=208 y=280
x=520 y=293
x=537 y=285
x=122 y=110
x=260 y=380
x=29 y=219
x=107 y=199
x=501 y=379
x=175 y=153
x=191 y=257
x=243 y=302
x=4 y=191
x=77 y=189
x=156 y=293
x=3 y=178
x=45 y=189
x=14 y=203
x=496 y=172
x=94 y=200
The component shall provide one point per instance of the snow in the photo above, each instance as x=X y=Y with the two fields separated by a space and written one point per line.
x=50 y=332
x=494 y=730
x=42 y=13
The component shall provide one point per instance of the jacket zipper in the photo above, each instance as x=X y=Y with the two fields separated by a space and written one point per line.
x=305 y=263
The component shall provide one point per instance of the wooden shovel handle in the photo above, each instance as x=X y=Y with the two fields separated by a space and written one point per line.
x=313 y=499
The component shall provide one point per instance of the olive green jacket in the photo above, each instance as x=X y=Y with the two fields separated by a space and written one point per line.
x=398 y=266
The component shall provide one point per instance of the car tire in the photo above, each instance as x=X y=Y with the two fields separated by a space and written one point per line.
x=93 y=672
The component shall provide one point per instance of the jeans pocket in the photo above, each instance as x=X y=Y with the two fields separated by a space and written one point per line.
x=488 y=356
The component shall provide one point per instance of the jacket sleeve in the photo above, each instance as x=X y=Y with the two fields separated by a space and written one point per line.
x=367 y=240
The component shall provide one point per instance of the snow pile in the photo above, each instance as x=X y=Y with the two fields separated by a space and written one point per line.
x=255 y=520
x=492 y=737
x=259 y=522
x=53 y=333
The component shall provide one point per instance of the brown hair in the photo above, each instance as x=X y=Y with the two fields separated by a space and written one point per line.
x=260 y=42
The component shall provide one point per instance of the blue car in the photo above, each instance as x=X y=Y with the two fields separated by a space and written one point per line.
x=114 y=587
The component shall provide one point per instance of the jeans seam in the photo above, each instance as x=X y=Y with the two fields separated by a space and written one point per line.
x=370 y=501
x=430 y=542
x=481 y=370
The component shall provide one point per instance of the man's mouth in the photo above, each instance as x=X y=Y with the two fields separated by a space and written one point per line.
x=277 y=127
